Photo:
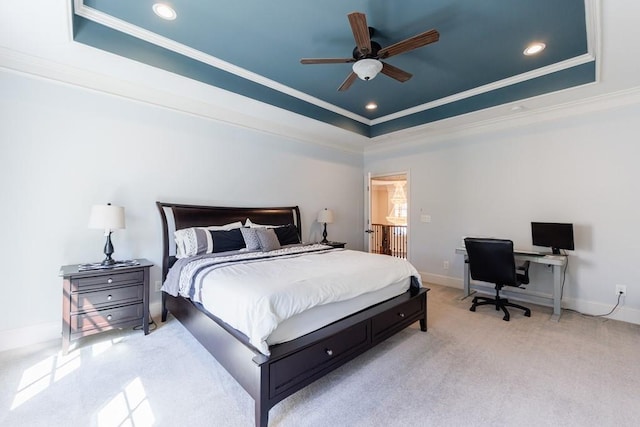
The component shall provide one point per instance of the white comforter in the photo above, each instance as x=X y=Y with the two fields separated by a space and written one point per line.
x=254 y=297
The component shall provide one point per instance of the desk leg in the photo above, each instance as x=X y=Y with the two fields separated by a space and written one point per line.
x=467 y=279
x=557 y=292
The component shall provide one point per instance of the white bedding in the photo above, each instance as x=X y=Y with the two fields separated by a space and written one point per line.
x=255 y=297
x=322 y=315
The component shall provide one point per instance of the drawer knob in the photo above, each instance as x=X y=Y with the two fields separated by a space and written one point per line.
x=329 y=352
x=109 y=317
x=109 y=297
x=110 y=280
x=401 y=315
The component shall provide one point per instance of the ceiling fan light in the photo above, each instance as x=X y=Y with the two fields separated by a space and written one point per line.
x=367 y=68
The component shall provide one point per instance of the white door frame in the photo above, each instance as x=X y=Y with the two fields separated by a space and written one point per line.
x=367 y=206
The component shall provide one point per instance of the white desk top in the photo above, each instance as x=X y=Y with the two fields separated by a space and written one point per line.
x=540 y=258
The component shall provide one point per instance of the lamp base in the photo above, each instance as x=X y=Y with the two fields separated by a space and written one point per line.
x=324 y=234
x=108 y=251
x=108 y=261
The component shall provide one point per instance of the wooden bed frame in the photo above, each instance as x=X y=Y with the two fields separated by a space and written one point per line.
x=294 y=364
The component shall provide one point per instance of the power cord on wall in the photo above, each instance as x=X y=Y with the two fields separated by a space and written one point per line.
x=598 y=315
x=564 y=276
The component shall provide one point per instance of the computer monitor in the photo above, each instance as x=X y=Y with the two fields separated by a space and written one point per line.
x=553 y=235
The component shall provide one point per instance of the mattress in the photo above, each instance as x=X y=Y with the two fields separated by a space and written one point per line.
x=280 y=295
x=323 y=315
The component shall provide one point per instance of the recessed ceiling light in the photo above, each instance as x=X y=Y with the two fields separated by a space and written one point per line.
x=164 y=11
x=371 y=106
x=534 y=48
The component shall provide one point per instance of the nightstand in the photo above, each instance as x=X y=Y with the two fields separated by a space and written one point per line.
x=95 y=301
x=335 y=244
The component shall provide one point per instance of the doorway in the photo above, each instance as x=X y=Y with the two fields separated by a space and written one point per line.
x=388 y=214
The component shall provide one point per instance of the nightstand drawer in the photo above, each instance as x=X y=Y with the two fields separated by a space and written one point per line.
x=105 y=319
x=85 y=301
x=107 y=280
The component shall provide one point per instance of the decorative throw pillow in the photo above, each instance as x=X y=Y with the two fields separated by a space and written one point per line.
x=197 y=240
x=287 y=234
x=250 y=237
x=227 y=240
x=268 y=239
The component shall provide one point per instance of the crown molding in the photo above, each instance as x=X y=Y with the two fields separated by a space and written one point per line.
x=124 y=27
x=426 y=135
x=573 y=62
x=255 y=115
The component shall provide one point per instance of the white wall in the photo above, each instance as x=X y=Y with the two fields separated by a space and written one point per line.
x=582 y=169
x=63 y=148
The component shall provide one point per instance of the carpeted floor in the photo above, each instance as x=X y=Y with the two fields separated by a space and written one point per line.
x=469 y=369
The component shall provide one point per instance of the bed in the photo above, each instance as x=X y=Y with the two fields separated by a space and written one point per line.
x=286 y=367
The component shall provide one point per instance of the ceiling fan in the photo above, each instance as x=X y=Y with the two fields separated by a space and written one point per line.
x=368 y=55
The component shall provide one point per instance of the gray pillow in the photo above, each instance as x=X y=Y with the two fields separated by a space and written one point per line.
x=250 y=237
x=268 y=239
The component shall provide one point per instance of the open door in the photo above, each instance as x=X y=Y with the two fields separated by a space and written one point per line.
x=387 y=214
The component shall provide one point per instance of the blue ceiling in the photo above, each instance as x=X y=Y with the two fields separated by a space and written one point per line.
x=481 y=45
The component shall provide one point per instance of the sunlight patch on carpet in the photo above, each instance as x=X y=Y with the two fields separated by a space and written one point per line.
x=41 y=375
x=130 y=407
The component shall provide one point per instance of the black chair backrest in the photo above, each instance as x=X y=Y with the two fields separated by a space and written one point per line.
x=491 y=260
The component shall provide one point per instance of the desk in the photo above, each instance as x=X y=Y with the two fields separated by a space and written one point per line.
x=557 y=262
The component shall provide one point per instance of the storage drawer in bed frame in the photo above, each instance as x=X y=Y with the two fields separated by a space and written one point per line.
x=290 y=368
x=298 y=367
x=391 y=321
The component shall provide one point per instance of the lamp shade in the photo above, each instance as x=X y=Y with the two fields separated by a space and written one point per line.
x=325 y=216
x=106 y=217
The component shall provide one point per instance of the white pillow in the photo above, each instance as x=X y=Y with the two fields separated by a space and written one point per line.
x=250 y=224
x=197 y=240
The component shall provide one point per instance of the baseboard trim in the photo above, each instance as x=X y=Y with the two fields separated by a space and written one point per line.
x=11 y=339
x=622 y=313
x=35 y=334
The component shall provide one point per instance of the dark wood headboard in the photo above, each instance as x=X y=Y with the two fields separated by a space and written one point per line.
x=185 y=216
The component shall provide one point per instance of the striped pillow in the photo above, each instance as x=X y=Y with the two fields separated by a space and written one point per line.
x=198 y=240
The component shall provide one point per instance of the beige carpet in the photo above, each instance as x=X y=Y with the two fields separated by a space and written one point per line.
x=469 y=369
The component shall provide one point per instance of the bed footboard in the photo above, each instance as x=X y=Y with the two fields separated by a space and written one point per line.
x=296 y=364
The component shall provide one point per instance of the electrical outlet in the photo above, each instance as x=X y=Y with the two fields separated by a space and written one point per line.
x=621 y=289
x=158 y=285
x=445 y=265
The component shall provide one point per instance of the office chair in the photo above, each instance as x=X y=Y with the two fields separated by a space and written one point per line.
x=492 y=260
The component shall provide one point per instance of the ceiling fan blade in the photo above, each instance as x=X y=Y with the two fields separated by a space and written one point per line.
x=395 y=72
x=411 y=43
x=360 y=29
x=326 y=60
x=346 y=84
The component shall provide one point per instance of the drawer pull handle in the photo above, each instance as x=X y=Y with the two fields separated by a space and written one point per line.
x=329 y=352
x=109 y=297
x=110 y=280
x=109 y=317
x=401 y=315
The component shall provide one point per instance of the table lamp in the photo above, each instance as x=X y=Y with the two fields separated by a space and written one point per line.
x=325 y=216
x=107 y=218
